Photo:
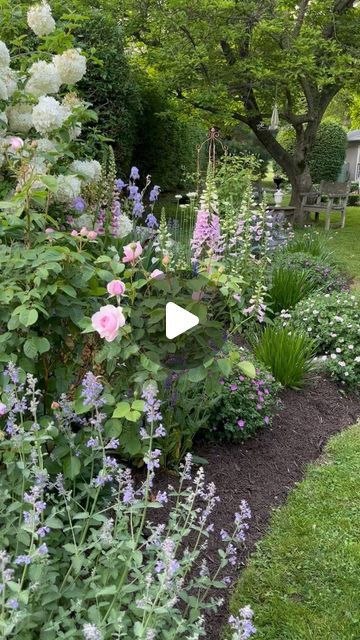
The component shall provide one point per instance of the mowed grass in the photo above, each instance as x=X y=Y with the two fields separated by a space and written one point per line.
x=303 y=582
x=345 y=244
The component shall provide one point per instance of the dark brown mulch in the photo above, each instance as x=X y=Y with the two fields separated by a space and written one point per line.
x=265 y=468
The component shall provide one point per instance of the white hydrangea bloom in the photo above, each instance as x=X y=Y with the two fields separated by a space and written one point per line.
x=89 y=170
x=3 y=90
x=49 y=115
x=40 y=20
x=44 y=79
x=69 y=187
x=44 y=145
x=75 y=131
x=9 y=77
x=4 y=55
x=71 y=66
x=124 y=227
x=20 y=117
x=73 y=101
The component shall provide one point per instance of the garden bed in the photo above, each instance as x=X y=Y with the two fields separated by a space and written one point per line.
x=265 y=468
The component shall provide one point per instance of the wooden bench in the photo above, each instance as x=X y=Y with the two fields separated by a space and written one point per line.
x=330 y=197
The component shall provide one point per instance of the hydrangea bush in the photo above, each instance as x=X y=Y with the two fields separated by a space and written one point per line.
x=333 y=320
x=86 y=559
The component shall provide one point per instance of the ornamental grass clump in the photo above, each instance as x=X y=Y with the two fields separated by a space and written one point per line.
x=81 y=555
x=288 y=354
x=288 y=287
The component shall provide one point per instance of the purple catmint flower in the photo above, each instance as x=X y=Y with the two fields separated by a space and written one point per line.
x=91 y=390
x=42 y=550
x=40 y=506
x=111 y=462
x=43 y=531
x=12 y=372
x=160 y=432
x=134 y=173
x=12 y=603
x=242 y=624
x=92 y=443
x=112 y=444
x=27 y=517
x=152 y=404
x=91 y=632
x=154 y=193
x=153 y=462
x=78 y=204
x=161 y=497
x=23 y=560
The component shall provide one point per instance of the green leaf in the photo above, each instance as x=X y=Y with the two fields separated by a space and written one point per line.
x=133 y=416
x=50 y=182
x=28 y=316
x=225 y=367
x=72 y=467
x=107 y=591
x=138 y=405
x=113 y=428
x=247 y=368
x=197 y=374
x=121 y=410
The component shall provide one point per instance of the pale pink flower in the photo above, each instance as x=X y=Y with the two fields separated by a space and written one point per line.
x=92 y=235
x=157 y=274
x=107 y=321
x=165 y=261
x=49 y=230
x=84 y=231
x=74 y=233
x=16 y=143
x=132 y=252
x=3 y=409
x=116 y=288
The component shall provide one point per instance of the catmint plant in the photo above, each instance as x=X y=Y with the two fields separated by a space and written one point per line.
x=102 y=555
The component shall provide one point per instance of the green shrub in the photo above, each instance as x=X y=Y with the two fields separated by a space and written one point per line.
x=328 y=153
x=333 y=320
x=288 y=355
x=288 y=287
x=246 y=404
x=324 y=274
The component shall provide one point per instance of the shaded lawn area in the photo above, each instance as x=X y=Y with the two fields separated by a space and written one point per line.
x=345 y=243
x=303 y=582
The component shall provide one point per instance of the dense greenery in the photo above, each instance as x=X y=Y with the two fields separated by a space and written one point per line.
x=304 y=577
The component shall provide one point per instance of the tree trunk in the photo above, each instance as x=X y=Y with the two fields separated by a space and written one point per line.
x=300 y=183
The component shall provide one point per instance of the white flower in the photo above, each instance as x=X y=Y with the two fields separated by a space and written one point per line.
x=20 y=117
x=49 y=114
x=44 y=79
x=342 y=363
x=357 y=359
x=45 y=145
x=71 y=66
x=4 y=55
x=338 y=350
x=3 y=90
x=40 y=20
x=68 y=188
x=124 y=226
x=351 y=346
x=89 y=170
x=333 y=356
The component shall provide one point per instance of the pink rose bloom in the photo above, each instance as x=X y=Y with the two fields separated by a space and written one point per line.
x=116 y=288
x=74 y=233
x=107 y=321
x=157 y=274
x=92 y=235
x=3 y=409
x=16 y=143
x=241 y=424
x=49 y=230
x=84 y=231
x=132 y=252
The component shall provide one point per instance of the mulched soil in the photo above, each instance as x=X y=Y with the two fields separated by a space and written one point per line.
x=265 y=468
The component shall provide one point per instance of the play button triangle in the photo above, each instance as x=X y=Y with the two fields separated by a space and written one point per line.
x=178 y=320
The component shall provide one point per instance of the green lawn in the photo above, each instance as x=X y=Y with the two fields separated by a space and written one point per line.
x=303 y=582
x=345 y=243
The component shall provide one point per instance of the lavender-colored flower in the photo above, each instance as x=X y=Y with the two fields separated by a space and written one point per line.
x=111 y=462
x=160 y=432
x=23 y=560
x=12 y=372
x=12 y=603
x=91 y=390
x=134 y=173
x=133 y=192
x=119 y=184
x=151 y=221
x=161 y=497
x=43 y=531
x=92 y=443
x=152 y=405
x=153 y=462
x=154 y=193
x=242 y=624
x=112 y=444
x=91 y=632
x=78 y=204
x=42 y=550
x=138 y=208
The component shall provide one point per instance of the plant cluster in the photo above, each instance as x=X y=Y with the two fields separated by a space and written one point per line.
x=333 y=321
x=81 y=557
x=246 y=404
x=323 y=273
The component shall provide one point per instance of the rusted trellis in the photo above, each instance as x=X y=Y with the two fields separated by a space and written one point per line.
x=212 y=141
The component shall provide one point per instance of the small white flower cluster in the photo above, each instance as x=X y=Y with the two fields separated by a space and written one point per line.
x=40 y=20
x=68 y=188
x=49 y=114
x=20 y=117
x=44 y=79
x=88 y=170
x=8 y=80
x=71 y=66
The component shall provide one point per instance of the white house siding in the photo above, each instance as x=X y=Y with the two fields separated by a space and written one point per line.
x=353 y=158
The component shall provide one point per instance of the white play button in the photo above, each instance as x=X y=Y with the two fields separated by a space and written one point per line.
x=178 y=320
